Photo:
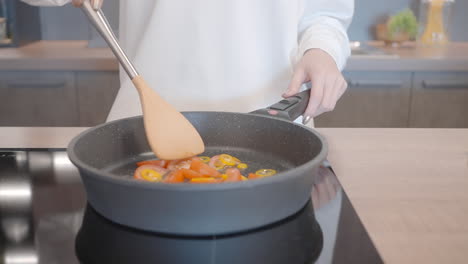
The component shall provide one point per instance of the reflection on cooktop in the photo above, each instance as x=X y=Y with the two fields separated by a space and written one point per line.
x=297 y=239
x=44 y=218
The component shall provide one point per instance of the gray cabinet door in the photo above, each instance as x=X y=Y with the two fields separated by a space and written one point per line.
x=38 y=99
x=373 y=99
x=440 y=100
x=96 y=93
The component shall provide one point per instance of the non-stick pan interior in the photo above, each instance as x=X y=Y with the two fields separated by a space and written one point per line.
x=261 y=142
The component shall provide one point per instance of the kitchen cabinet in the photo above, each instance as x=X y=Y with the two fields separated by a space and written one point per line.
x=58 y=98
x=439 y=100
x=373 y=99
x=96 y=93
x=38 y=99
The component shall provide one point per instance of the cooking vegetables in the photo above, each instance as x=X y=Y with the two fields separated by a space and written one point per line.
x=205 y=180
x=175 y=176
x=197 y=170
x=242 y=166
x=204 y=169
x=205 y=159
x=160 y=163
x=265 y=172
x=215 y=162
x=228 y=159
x=150 y=173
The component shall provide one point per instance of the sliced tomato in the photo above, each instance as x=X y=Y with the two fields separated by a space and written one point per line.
x=197 y=158
x=151 y=173
x=174 y=164
x=181 y=163
x=190 y=174
x=160 y=163
x=254 y=176
x=204 y=169
x=233 y=175
x=175 y=176
x=216 y=163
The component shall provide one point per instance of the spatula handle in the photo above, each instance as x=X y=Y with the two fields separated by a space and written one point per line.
x=99 y=21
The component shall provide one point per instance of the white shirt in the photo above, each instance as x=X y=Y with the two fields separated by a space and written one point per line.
x=223 y=55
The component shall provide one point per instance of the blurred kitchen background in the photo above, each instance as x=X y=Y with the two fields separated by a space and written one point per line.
x=56 y=71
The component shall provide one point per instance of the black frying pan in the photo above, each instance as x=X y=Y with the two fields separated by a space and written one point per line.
x=105 y=156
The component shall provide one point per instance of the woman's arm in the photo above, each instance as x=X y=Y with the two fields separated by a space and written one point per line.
x=323 y=26
x=323 y=48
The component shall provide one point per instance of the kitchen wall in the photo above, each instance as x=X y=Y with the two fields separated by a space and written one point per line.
x=69 y=23
x=63 y=23
x=66 y=24
x=370 y=12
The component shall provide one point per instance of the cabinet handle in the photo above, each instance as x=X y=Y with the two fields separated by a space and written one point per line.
x=437 y=84
x=36 y=84
x=376 y=83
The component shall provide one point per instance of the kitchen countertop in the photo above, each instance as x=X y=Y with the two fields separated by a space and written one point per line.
x=410 y=189
x=75 y=56
x=409 y=186
x=58 y=56
x=410 y=57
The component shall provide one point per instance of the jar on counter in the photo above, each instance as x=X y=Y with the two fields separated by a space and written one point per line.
x=434 y=20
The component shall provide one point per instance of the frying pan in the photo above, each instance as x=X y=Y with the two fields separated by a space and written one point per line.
x=105 y=156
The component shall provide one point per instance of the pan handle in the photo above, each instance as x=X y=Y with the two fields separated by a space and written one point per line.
x=289 y=108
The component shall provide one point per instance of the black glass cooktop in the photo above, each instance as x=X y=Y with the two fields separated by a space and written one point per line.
x=44 y=218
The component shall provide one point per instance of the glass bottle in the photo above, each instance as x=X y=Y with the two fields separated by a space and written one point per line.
x=435 y=17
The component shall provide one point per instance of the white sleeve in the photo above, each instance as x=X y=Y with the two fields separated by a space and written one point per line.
x=47 y=2
x=323 y=26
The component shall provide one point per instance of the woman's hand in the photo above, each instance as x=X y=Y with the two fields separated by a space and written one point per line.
x=328 y=85
x=96 y=4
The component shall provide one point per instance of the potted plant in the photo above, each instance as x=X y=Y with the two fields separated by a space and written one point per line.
x=400 y=27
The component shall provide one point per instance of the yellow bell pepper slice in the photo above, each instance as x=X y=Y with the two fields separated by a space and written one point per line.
x=204 y=180
x=265 y=172
x=205 y=159
x=228 y=159
x=151 y=175
x=242 y=166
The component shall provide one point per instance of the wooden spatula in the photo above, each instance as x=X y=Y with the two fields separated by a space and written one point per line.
x=170 y=135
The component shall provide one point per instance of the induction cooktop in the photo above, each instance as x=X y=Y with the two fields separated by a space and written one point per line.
x=44 y=218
